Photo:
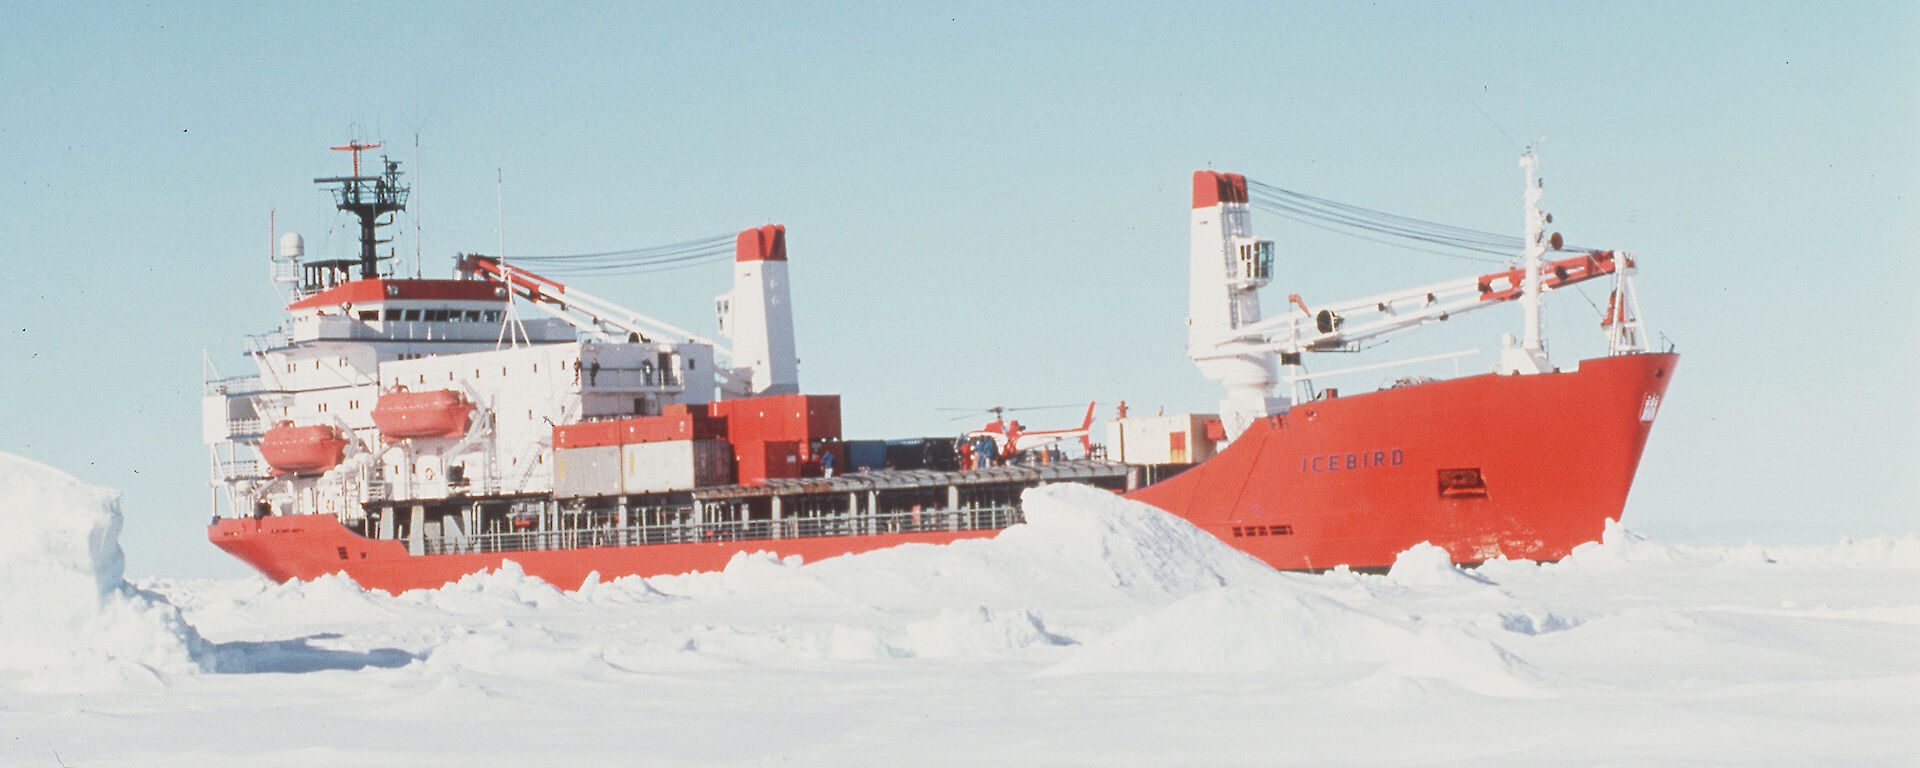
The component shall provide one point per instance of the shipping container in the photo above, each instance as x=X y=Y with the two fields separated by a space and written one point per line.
x=679 y=423
x=781 y=418
x=678 y=465
x=1181 y=438
x=682 y=426
x=823 y=418
x=866 y=454
x=922 y=453
x=759 y=462
x=591 y=471
x=586 y=434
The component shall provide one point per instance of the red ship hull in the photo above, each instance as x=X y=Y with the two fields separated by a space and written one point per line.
x=1484 y=467
x=310 y=546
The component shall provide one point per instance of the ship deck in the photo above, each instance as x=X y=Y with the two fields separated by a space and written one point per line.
x=869 y=502
x=1091 y=471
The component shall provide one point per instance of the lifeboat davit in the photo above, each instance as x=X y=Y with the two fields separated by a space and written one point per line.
x=290 y=450
x=404 y=415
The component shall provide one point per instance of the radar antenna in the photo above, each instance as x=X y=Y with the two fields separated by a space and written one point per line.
x=369 y=197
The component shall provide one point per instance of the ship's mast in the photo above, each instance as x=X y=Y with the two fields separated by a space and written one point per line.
x=1227 y=267
x=1536 y=245
x=369 y=198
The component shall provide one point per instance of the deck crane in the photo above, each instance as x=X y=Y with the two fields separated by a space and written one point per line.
x=1230 y=341
x=757 y=315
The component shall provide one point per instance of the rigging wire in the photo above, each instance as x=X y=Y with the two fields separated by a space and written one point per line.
x=1360 y=215
x=635 y=268
x=670 y=249
x=1360 y=222
x=1354 y=220
x=1329 y=228
x=634 y=260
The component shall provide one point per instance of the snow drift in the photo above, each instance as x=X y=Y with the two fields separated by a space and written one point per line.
x=67 y=615
x=1098 y=631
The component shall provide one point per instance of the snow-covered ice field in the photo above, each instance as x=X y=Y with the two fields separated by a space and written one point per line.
x=1099 y=633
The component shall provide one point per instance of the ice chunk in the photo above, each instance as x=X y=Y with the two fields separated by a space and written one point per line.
x=1105 y=539
x=1424 y=564
x=67 y=614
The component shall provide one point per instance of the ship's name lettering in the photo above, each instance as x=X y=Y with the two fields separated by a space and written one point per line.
x=1343 y=462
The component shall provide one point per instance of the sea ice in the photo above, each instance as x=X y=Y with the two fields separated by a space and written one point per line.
x=68 y=618
x=1100 y=631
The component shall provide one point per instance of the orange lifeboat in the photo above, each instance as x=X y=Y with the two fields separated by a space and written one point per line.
x=289 y=450
x=403 y=415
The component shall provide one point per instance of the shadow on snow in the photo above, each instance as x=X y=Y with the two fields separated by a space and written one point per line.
x=299 y=655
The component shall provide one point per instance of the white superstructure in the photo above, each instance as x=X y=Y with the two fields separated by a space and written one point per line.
x=383 y=390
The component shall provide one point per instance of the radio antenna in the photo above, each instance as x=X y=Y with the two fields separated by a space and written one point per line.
x=417 y=269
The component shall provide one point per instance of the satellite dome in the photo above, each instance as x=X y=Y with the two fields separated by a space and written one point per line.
x=292 y=246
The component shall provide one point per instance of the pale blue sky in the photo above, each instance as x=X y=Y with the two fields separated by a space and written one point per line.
x=987 y=204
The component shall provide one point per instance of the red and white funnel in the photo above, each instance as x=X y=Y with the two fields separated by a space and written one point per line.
x=758 y=315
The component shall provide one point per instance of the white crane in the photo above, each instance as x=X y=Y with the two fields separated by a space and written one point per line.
x=1230 y=341
x=757 y=314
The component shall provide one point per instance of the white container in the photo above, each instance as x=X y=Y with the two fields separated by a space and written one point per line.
x=675 y=465
x=1179 y=438
x=586 y=472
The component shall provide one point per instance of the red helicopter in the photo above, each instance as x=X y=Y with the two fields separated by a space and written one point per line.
x=1004 y=439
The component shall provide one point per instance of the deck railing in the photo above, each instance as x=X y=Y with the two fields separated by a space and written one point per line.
x=235 y=385
x=968 y=519
x=619 y=379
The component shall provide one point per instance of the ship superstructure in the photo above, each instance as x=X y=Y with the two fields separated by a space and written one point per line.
x=385 y=389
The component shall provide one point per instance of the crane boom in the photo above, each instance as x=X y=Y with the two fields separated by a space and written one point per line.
x=1335 y=325
x=593 y=315
x=1230 y=342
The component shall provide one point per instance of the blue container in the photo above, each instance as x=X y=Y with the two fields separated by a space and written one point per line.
x=866 y=454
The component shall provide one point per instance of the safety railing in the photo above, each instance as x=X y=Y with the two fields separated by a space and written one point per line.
x=237 y=385
x=916 y=521
x=624 y=378
x=238 y=469
x=270 y=340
